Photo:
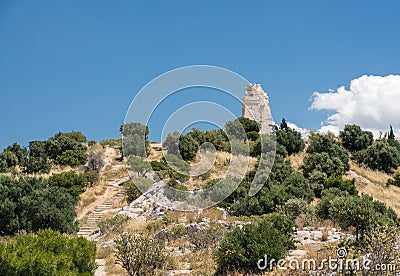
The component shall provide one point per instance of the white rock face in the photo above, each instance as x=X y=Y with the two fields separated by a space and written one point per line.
x=255 y=106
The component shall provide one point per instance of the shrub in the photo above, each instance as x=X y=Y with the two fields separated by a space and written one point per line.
x=241 y=248
x=113 y=225
x=355 y=139
x=47 y=253
x=295 y=207
x=92 y=177
x=289 y=138
x=327 y=155
x=37 y=165
x=379 y=156
x=95 y=160
x=112 y=142
x=71 y=182
x=72 y=158
x=30 y=204
x=188 y=147
x=133 y=188
x=77 y=136
x=206 y=237
x=140 y=255
x=395 y=180
x=362 y=213
x=344 y=185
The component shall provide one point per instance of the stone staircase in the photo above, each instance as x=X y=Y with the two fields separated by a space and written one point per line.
x=90 y=227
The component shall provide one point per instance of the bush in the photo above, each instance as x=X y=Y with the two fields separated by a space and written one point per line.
x=188 y=147
x=113 y=225
x=30 y=204
x=131 y=188
x=72 y=158
x=355 y=139
x=206 y=237
x=71 y=182
x=295 y=207
x=92 y=177
x=379 y=156
x=362 y=213
x=241 y=248
x=77 y=136
x=140 y=255
x=289 y=138
x=344 y=185
x=325 y=154
x=395 y=180
x=47 y=253
x=37 y=165
x=112 y=142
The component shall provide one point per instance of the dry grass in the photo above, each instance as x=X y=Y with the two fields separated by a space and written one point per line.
x=296 y=160
x=373 y=176
x=91 y=194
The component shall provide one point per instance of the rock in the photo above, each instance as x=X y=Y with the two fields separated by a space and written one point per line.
x=162 y=235
x=297 y=253
x=108 y=243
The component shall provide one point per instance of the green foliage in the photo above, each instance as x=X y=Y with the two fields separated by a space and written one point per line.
x=159 y=166
x=326 y=155
x=37 y=165
x=131 y=188
x=355 y=139
x=241 y=248
x=323 y=163
x=18 y=151
x=72 y=158
x=324 y=203
x=283 y=184
x=171 y=143
x=7 y=160
x=116 y=142
x=395 y=180
x=77 y=136
x=344 y=185
x=177 y=163
x=239 y=147
x=295 y=207
x=289 y=138
x=188 y=147
x=37 y=149
x=31 y=204
x=207 y=237
x=47 y=253
x=113 y=225
x=235 y=130
x=58 y=144
x=136 y=141
x=249 y=125
x=139 y=165
x=362 y=213
x=140 y=255
x=71 y=182
x=91 y=143
x=379 y=156
x=92 y=177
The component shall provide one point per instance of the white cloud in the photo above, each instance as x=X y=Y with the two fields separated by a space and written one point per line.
x=304 y=132
x=373 y=102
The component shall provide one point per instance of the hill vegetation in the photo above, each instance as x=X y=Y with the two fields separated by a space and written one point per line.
x=307 y=186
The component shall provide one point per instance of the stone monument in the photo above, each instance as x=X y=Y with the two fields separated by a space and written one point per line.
x=255 y=106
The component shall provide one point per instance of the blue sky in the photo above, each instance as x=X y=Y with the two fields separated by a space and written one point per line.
x=76 y=65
